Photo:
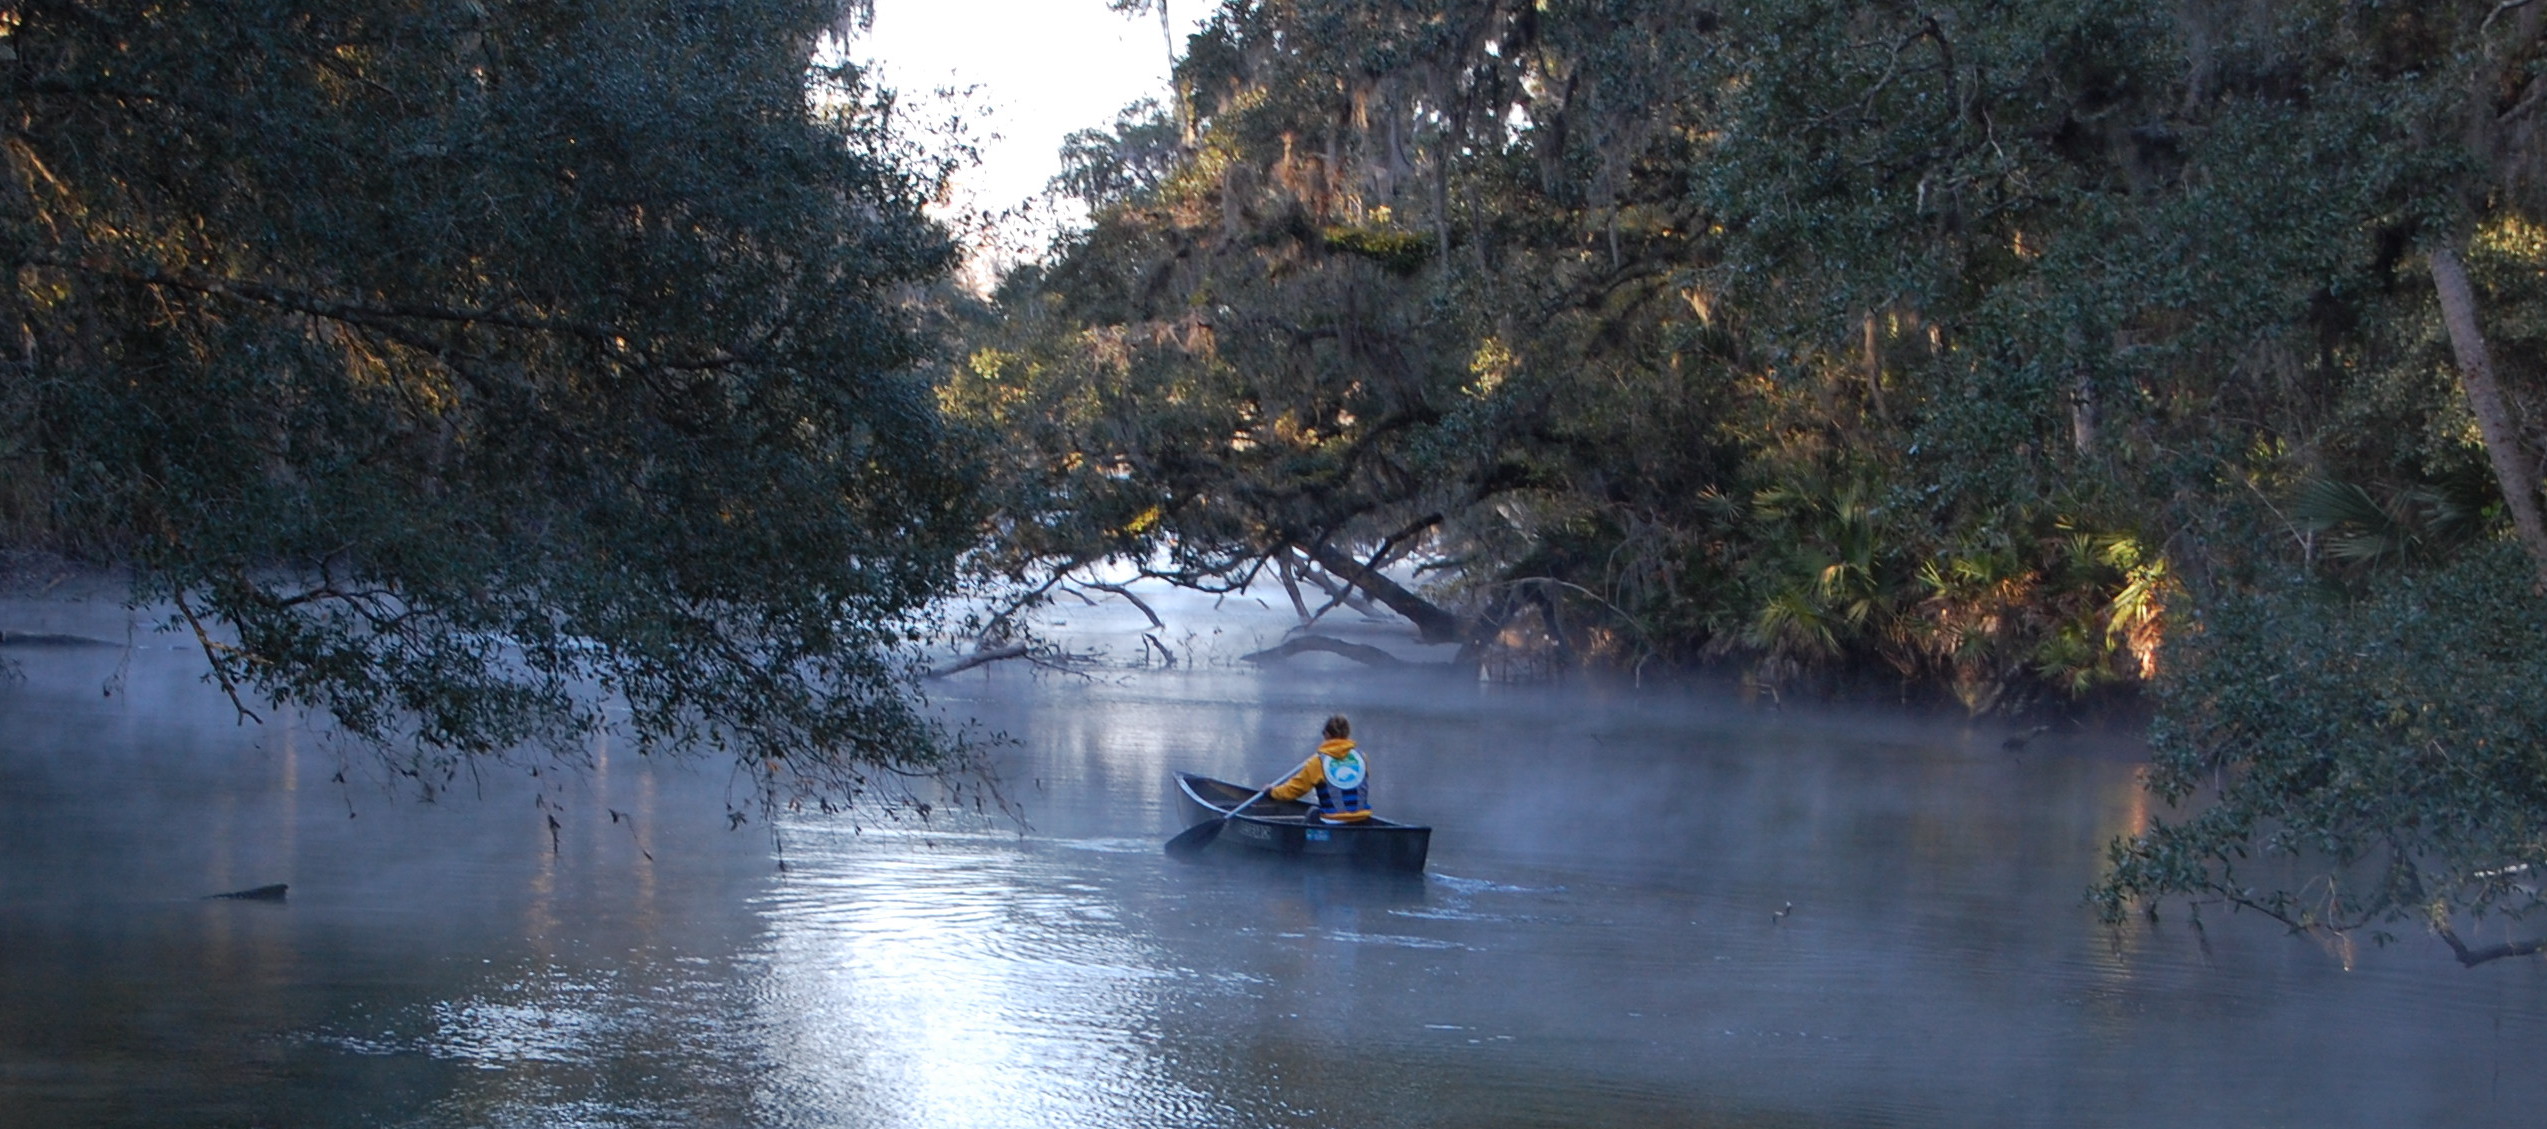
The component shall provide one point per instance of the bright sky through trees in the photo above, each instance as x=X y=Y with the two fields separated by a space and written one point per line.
x=1042 y=67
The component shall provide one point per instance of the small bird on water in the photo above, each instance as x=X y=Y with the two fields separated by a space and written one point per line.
x=1782 y=912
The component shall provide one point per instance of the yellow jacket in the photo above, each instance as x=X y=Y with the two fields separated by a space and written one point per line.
x=1339 y=805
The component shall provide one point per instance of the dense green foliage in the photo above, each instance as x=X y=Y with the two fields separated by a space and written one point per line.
x=1967 y=345
x=2375 y=758
x=458 y=367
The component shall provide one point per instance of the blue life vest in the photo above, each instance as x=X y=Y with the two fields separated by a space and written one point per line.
x=1342 y=788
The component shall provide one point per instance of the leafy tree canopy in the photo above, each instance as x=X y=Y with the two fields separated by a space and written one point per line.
x=455 y=367
x=2024 y=350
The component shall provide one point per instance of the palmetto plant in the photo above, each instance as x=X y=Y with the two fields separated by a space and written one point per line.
x=2357 y=528
x=1840 y=584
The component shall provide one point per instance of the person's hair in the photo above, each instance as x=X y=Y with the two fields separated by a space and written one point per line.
x=1338 y=728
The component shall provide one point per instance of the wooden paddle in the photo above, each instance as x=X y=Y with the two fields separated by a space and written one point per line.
x=1190 y=842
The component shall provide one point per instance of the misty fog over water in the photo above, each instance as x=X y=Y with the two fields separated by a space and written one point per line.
x=1643 y=908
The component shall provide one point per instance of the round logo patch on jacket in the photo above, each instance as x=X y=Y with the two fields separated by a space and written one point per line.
x=1345 y=772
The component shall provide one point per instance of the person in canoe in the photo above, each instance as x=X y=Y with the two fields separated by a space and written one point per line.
x=1338 y=775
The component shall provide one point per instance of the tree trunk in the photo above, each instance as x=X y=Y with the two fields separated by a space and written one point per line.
x=1180 y=102
x=1874 y=358
x=2082 y=413
x=1291 y=586
x=2082 y=395
x=2512 y=468
x=1432 y=623
x=1339 y=593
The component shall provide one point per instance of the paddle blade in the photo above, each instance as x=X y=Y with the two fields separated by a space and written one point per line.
x=1191 y=841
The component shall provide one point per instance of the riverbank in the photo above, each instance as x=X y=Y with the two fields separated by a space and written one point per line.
x=46 y=600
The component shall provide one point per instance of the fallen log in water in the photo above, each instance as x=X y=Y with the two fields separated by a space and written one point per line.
x=51 y=639
x=273 y=893
x=1362 y=653
x=980 y=657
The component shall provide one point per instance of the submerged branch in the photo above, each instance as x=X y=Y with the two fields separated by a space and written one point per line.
x=2470 y=958
x=980 y=658
x=1362 y=653
x=1126 y=593
x=51 y=639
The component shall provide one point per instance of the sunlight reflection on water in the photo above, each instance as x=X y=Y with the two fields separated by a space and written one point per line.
x=970 y=986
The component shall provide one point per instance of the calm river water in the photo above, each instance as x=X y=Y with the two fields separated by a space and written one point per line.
x=1598 y=942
